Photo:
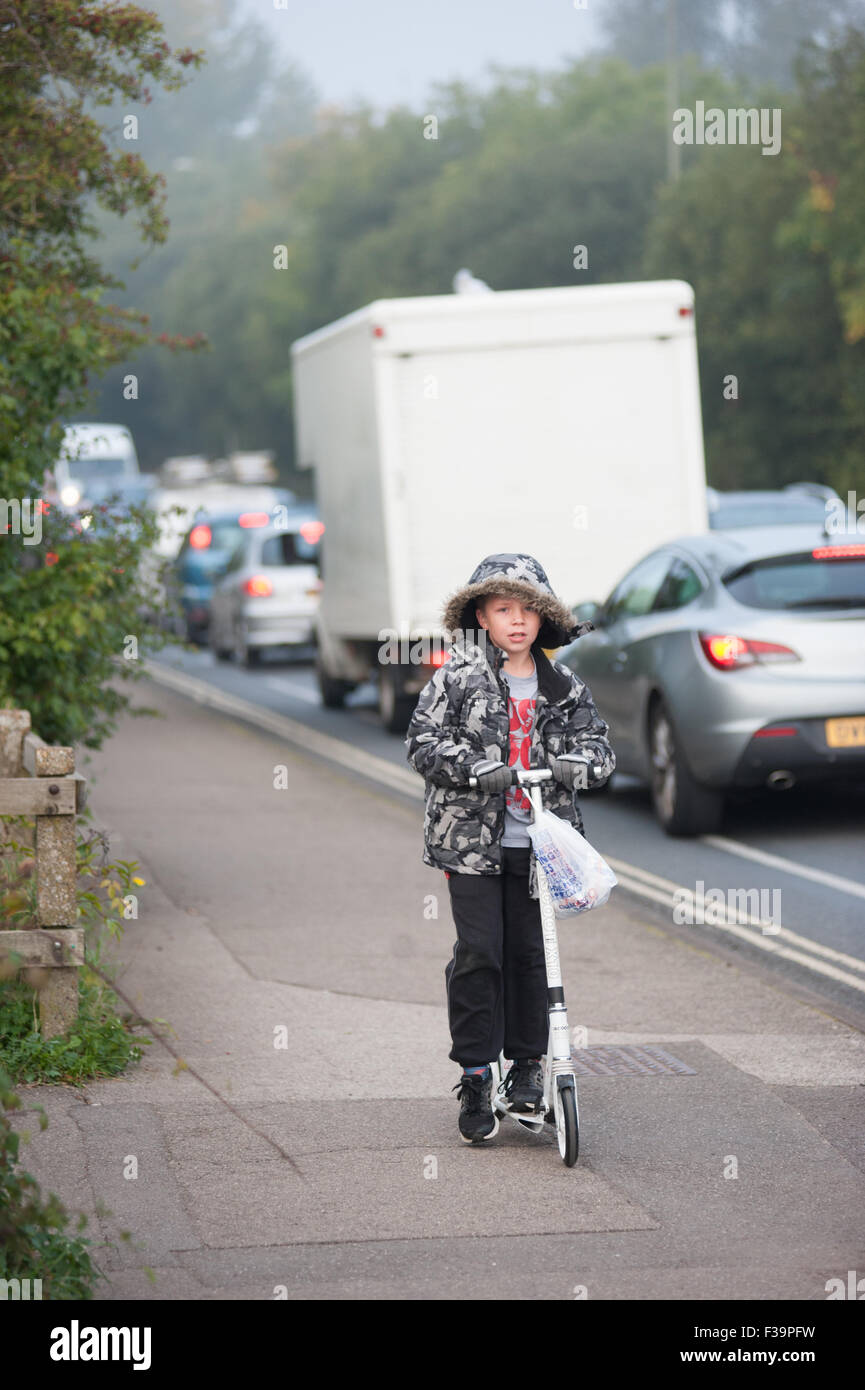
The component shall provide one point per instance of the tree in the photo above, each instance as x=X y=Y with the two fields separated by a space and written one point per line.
x=67 y=601
x=773 y=249
x=749 y=40
x=211 y=142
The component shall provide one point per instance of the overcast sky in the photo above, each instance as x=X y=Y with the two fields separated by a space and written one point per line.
x=390 y=51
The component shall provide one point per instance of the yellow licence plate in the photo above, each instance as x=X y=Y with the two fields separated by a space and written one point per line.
x=846 y=733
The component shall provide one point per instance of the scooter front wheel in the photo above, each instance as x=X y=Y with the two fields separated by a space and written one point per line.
x=567 y=1126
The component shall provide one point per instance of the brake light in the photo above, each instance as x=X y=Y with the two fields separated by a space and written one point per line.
x=258 y=586
x=839 y=552
x=439 y=658
x=312 y=531
x=253 y=519
x=200 y=537
x=779 y=731
x=727 y=652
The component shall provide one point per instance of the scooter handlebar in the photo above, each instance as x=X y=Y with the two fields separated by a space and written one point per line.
x=529 y=777
x=524 y=777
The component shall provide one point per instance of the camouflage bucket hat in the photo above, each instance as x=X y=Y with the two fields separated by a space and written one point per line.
x=521 y=577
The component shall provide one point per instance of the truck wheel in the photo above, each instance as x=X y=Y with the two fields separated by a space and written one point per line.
x=682 y=805
x=332 y=690
x=396 y=708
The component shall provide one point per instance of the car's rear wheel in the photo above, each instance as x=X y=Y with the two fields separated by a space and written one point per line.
x=247 y=656
x=220 y=651
x=682 y=805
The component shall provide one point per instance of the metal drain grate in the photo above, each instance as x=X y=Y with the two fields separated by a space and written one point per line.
x=628 y=1061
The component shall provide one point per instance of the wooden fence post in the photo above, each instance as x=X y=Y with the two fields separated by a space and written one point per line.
x=52 y=793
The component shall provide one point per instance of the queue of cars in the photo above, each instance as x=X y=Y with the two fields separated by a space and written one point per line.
x=733 y=659
x=237 y=545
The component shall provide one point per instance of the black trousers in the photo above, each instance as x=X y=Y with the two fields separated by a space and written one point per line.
x=496 y=979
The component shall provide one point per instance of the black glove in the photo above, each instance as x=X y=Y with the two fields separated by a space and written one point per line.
x=492 y=777
x=571 y=769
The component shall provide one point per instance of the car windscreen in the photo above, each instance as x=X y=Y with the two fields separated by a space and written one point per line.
x=800 y=581
x=89 y=470
x=225 y=536
x=774 y=513
x=290 y=548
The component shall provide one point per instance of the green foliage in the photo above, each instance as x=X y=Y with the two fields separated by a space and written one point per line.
x=34 y=1241
x=100 y=1043
x=779 y=281
x=211 y=144
x=517 y=176
x=76 y=617
x=751 y=40
x=68 y=603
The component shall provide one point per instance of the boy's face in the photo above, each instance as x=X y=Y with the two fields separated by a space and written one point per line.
x=510 y=623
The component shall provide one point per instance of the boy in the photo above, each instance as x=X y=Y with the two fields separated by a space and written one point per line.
x=498 y=701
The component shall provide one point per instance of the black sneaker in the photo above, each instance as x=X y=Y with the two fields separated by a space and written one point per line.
x=477 y=1120
x=523 y=1087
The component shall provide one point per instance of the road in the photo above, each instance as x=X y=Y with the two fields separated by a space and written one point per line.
x=800 y=850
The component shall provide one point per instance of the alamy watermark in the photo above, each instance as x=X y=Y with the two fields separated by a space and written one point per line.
x=716 y=907
x=23 y=517
x=400 y=647
x=736 y=126
x=846 y=516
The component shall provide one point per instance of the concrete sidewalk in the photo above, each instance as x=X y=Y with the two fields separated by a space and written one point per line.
x=299 y=914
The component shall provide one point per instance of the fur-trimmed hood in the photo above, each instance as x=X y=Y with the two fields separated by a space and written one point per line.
x=521 y=577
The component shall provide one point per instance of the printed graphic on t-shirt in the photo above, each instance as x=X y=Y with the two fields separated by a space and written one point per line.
x=522 y=714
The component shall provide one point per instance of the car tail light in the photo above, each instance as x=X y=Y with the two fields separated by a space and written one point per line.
x=200 y=537
x=258 y=586
x=253 y=519
x=727 y=652
x=312 y=531
x=777 y=731
x=839 y=552
x=439 y=658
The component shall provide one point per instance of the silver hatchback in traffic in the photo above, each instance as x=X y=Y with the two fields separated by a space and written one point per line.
x=269 y=591
x=733 y=659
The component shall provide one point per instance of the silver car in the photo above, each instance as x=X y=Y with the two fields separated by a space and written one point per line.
x=269 y=591
x=734 y=659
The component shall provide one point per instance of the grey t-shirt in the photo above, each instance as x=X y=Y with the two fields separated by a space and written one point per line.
x=521 y=709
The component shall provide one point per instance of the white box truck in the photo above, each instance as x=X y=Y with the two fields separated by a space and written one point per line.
x=564 y=422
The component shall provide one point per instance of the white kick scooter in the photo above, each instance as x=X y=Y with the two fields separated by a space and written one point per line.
x=559 y=1103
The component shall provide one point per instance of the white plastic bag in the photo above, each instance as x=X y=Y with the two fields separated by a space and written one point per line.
x=578 y=878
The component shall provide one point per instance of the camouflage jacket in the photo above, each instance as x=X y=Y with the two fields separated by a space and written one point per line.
x=461 y=717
